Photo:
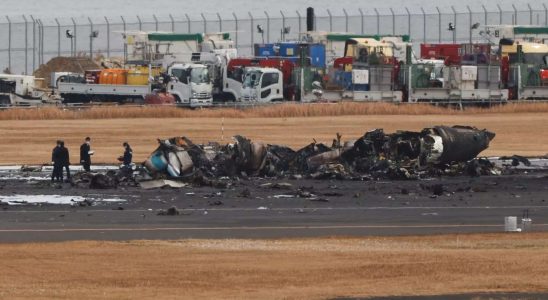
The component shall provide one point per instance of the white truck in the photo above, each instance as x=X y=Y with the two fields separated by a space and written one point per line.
x=262 y=85
x=190 y=84
x=87 y=92
x=21 y=90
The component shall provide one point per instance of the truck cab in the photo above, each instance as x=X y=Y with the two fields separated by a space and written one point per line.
x=191 y=84
x=262 y=85
x=232 y=83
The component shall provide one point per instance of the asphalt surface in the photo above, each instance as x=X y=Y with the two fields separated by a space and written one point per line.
x=258 y=208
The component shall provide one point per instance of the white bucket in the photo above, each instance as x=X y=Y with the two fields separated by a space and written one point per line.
x=511 y=224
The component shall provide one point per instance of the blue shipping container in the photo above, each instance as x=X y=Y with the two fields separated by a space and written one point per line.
x=317 y=55
x=344 y=80
x=289 y=49
x=264 y=50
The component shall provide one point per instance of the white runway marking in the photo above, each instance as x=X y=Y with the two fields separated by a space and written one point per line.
x=255 y=228
x=286 y=209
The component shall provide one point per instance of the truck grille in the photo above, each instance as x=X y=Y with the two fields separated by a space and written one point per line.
x=202 y=95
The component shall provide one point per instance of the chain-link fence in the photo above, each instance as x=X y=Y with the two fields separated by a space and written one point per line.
x=30 y=42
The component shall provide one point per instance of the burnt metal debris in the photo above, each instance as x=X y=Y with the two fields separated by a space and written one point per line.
x=440 y=150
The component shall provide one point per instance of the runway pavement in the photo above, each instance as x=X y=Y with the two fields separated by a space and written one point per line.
x=281 y=222
x=343 y=208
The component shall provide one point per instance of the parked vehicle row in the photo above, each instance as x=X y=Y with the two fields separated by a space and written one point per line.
x=199 y=70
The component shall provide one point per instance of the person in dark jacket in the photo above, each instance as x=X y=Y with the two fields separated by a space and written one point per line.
x=65 y=159
x=57 y=161
x=85 y=154
x=128 y=155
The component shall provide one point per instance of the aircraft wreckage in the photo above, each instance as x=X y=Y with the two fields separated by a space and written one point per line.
x=401 y=155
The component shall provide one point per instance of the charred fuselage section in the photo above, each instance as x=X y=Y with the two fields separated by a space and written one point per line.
x=399 y=155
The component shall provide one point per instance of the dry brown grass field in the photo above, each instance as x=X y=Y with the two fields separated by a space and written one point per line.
x=286 y=110
x=31 y=141
x=275 y=269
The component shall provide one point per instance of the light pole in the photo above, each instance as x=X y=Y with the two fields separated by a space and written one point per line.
x=92 y=35
x=284 y=31
x=70 y=35
x=451 y=27
x=261 y=31
x=472 y=28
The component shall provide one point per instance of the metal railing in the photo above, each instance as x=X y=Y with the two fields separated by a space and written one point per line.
x=30 y=41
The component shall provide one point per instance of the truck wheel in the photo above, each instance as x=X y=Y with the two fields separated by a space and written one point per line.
x=229 y=97
x=177 y=99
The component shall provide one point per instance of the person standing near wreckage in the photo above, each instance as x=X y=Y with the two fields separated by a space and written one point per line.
x=85 y=154
x=65 y=160
x=57 y=161
x=127 y=157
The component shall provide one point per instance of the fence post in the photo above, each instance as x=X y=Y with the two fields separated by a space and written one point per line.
x=545 y=14
x=75 y=35
x=378 y=22
x=204 y=22
x=393 y=21
x=26 y=45
x=108 y=36
x=9 y=42
x=140 y=23
x=423 y=25
x=33 y=43
x=172 y=23
x=515 y=18
x=188 y=22
x=58 y=37
x=330 y=20
x=470 y=23
x=282 y=32
x=454 y=22
x=530 y=14
x=346 y=20
x=439 y=24
x=485 y=16
x=123 y=23
x=220 y=22
x=362 y=21
x=408 y=21
x=500 y=14
x=90 y=38
x=124 y=35
x=299 y=16
x=236 y=27
x=75 y=28
x=267 y=27
x=43 y=34
x=155 y=22
x=40 y=42
x=252 y=30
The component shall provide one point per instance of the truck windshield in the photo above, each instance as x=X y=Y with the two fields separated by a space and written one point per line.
x=252 y=79
x=199 y=75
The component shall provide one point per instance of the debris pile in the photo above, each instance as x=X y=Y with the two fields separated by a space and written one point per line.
x=65 y=64
x=402 y=155
x=109 y=180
